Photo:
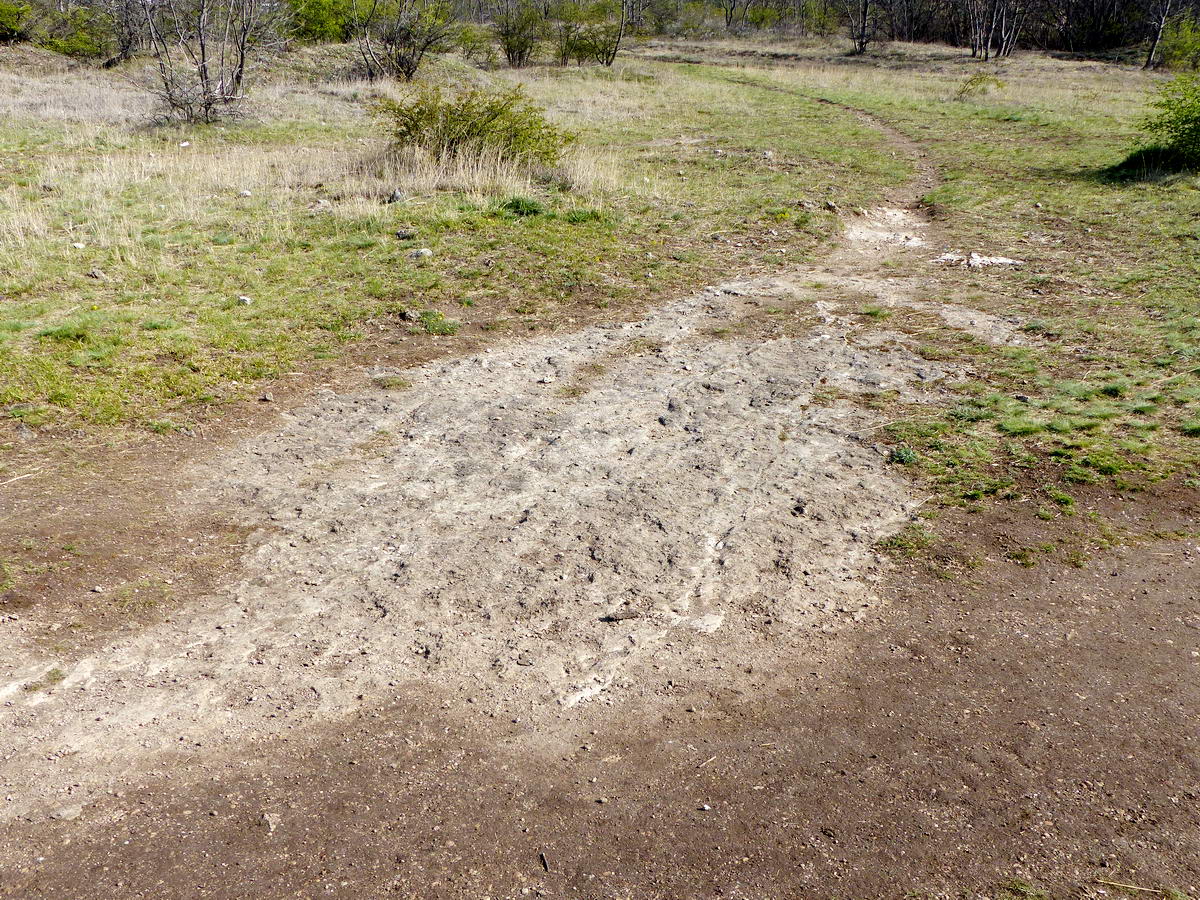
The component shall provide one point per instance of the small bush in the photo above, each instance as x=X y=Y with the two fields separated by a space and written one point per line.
x=1181 y=44
x=321 y=21
x=475 y=122
x=1175 y=124
x=14 y=22
x=435 y=322
x=477 y=44
x=978 y=84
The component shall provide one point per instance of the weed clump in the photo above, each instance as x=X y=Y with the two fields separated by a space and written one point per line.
x=522 y=207
x=978 y=84
x=910 y=542
x=434 y=322
x=477 y=123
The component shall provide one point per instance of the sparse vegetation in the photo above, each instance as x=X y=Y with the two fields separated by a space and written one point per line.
x=51 y=678
x=434 y=322
x=143 y=324
x=977 y=84
x=911 y=542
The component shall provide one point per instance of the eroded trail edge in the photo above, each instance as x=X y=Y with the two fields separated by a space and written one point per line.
x=535 y=528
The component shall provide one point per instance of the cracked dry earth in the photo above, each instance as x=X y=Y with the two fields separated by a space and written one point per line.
x=521 y=525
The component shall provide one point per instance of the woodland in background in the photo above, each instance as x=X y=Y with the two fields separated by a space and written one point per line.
x=110 y=31
x=203 y=50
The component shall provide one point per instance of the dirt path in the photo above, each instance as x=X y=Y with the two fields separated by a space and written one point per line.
x=572 y=536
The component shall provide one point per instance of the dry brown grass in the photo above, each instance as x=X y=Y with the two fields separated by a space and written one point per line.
x=108 y=167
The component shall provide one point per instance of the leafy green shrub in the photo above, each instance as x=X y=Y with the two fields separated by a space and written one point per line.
x=80 y=33
x=14 y=22
x=1181 y=44
x=760 y=17
x=321 y=21
x=475 y=122
x=1175 y=124
x=477 y=44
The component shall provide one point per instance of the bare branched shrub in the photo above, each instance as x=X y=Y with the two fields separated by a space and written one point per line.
x=520 y=27
x=204 y=50
x=396 y=35
x=591 y=32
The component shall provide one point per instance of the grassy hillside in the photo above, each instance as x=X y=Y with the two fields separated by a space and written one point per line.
x=124 y=251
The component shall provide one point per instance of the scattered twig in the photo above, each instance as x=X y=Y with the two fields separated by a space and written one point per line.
x=19 y=477
x=706 y=762
x=1128 y=887
x=897 y=422
x=545 y=862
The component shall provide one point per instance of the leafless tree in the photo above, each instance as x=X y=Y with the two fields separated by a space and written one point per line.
x=204 y=49
x=395 y=37
x=1158 y=13
x=861 y=20
x=994 y=26
x=735 y=12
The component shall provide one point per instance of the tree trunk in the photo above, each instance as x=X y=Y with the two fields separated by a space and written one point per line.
x=1159 y=24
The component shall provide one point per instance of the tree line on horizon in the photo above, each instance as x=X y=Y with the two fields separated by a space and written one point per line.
x=203 y=49
x=113 y=30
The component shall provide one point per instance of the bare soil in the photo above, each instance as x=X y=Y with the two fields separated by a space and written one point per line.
x=602 y=614
x=1035 y=722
